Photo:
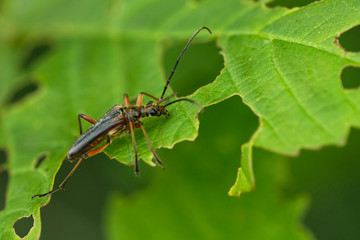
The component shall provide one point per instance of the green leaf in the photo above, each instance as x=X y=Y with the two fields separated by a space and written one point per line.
x=245 y=181
x=9 y=78
x=286 y=68
x=283 y=63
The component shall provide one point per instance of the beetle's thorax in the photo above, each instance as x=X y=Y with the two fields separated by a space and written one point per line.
x=148 y=110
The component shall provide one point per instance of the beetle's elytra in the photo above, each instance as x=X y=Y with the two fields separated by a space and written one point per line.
x=118 y=120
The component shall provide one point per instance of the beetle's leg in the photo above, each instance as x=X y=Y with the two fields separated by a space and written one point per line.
x=155 y=98
x=86 y=118
x=131 y=126
x=85 y=156
x=150 y=147
x=126 y=100
x=166 y=99
x=139 y=99
x=150 y=96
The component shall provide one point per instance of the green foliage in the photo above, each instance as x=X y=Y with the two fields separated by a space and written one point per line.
x=197 y=203
x=283 y=63
x=245 y=177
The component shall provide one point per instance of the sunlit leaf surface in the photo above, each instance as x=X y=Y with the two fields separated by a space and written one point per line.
x=283 y=63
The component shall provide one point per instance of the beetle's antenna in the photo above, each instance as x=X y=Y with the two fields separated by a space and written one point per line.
x=178 y=60
x=183 y=99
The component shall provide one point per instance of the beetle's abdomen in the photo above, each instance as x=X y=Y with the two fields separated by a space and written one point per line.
x=81 y=147
x=97 y=133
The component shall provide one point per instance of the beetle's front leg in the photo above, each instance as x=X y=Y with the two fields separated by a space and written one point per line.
x=144 y=93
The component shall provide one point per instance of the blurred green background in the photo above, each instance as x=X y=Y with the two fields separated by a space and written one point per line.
x=318 y=190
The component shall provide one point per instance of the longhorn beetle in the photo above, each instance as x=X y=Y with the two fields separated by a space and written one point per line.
x=118 y=120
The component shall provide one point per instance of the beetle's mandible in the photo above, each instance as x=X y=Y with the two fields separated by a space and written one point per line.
x=118 y=120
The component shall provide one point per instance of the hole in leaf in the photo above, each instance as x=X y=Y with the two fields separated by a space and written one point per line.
x=199 y=66
x=4 y=176
x=22 y=92
x=289 y=4
x=350 y=77
x=23 y=226
x=3 y=157
x=40 y=160
x=35 y=53
x=349 y=40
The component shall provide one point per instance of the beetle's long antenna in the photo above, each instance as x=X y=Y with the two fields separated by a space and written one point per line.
x=183 y=99
x=178 y=60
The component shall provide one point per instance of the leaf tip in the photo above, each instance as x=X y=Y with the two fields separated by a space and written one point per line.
x=242 y=184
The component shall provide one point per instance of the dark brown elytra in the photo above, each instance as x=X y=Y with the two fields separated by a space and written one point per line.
x=118 y=120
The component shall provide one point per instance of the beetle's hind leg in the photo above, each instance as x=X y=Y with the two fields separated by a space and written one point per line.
x=86 y=118
x=85 y=156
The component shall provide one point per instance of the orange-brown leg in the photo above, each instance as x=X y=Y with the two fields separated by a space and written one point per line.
x=155 y=98
x=150 y=96
x=150 y=147
x=139 y=99
x=131 y=127
x=86 y=118
x=165 y=99
x=126 y=100
x=86 y=155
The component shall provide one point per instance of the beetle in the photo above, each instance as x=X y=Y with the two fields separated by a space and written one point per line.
x=119 y=120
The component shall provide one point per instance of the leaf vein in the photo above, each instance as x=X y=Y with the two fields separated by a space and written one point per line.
x=293 y=96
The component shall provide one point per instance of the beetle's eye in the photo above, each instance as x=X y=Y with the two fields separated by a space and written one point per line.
x=153 y=112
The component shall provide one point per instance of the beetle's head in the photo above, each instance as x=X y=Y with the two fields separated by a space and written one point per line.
x=153 y=109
